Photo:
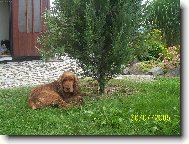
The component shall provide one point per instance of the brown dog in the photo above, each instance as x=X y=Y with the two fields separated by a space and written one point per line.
x=63 y=93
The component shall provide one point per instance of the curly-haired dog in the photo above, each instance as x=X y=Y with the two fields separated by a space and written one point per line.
x=63 y=92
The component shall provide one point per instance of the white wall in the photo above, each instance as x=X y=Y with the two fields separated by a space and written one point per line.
x=51 y=1
x=4 y=21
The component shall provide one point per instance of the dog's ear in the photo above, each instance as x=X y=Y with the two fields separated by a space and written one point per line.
x=60 y=83
x=76 y=86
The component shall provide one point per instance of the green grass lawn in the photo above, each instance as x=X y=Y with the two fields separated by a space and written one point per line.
x=138 y=108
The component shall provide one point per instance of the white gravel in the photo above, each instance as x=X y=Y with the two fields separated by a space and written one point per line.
x=29 y=73
x=137 y=77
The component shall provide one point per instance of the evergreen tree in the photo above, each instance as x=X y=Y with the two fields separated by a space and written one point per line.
x=98 y=33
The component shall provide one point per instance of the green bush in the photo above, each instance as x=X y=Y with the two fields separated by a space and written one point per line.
x=148 y=45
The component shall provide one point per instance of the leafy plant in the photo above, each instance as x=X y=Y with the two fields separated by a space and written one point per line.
x=149 y=44
x=98 y=34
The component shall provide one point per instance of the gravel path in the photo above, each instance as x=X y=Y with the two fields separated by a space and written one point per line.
x=28 y=73
x=137 y=77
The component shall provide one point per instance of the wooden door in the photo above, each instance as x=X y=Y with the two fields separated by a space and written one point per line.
x=27 y=24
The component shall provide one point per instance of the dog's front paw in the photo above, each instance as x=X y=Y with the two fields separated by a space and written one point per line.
x=80 y=100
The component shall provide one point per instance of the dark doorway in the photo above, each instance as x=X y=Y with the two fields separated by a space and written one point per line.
x=5 y=30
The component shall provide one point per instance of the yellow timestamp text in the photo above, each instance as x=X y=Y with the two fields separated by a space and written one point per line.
x=150 y=117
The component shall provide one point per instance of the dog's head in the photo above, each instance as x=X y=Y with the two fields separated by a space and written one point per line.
x=69 y=83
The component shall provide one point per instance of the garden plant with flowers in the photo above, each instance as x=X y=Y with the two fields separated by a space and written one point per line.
x=170 y=57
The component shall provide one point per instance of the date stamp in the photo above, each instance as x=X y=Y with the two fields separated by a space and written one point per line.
x=150 y=117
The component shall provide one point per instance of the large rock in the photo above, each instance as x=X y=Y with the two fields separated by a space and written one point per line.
x=174 y=72
x=156 y=71
x=134 y=61
x=125 y=71
x=136 y=69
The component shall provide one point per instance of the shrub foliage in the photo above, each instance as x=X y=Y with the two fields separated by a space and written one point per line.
x=165 y=15
x=97 y=33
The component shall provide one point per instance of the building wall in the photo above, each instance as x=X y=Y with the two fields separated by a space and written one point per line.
x=4 y=21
